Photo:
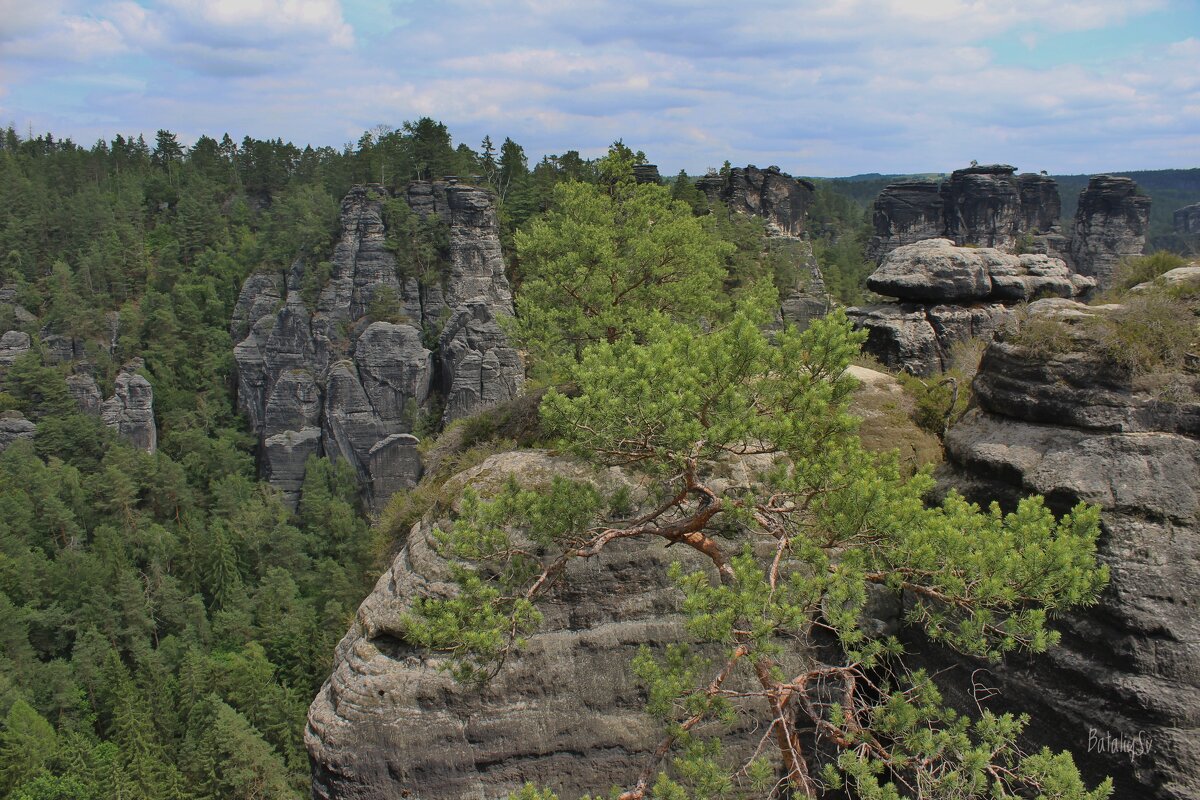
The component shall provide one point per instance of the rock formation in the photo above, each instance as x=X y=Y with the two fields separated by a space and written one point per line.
x=986 y=206
x=906 y=212
x=646 y=173
x=1187 y=219
x=332 y=380
x=13 y=345
x=14 y=426
x=990 y=206
x=1110 y=224
x=1072 y=426
x=779 y=199
x=950 y=294
x=130 y=411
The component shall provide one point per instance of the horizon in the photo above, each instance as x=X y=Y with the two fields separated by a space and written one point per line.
x=822 y=90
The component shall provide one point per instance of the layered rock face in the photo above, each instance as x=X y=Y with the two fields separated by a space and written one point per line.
x=1073 y=427
x=906 y=212
x=331 y=380
x=950 y=294
x=991 y=206
x=565 y=712
x=1110 y=224
x=986 y=206
x=781 y=200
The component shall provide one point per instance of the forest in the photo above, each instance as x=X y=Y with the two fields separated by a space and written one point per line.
x=167 y=618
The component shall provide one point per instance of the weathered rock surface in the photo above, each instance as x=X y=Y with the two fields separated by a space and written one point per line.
x=1110 y=224
x=86 y=393
x=1187 y=219
x=935 y=270
x=906 y=212
x=919 y=338
x=330 y=380
x=1074 y=427
x=14 y=426
x=950 y=294
x=983 y=206
x=565 y=712
x=781 y=200
x=646 y=173
x=130 y=411
x=479 y=367
x=986 y=206
x=13 y=345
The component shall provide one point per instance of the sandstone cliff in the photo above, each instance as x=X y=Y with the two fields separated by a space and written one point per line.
x=1067 y=422
x=781 y=200
x=1110 y=224
x=986 y=206
x=991 y=206
x=324 y=376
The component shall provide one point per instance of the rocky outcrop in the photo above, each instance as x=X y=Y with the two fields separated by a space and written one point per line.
x=86 y=393
x=564 y=712
x=951 y=294
x=982 y=206
x=985 y=206
x=332 y=380
x=1073 y=426
x=646 y=173
x=1110 y=225
x=14 y=426
x=130 y=411
x=13 y=345
x=779 y=199
x=906 y=212
x=936 y=270
x=1187 y=220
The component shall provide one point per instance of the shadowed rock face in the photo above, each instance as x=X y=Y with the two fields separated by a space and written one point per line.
x=329 y=380
x=1074 y=427
x=906 y=212
x=985 y=206
x=1187 y=219
x=781 y=200
x=950 y=294
x=1110 y=225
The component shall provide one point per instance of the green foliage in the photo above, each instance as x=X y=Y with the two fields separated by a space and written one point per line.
x=1151 y=332
x=419 y=243
x=1132 y=271
x=607 y=260
x=793 y=555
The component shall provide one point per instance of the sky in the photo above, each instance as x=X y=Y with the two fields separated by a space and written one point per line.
x=816 y=88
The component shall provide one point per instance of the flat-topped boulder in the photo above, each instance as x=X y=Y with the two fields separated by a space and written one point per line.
x=935 y=270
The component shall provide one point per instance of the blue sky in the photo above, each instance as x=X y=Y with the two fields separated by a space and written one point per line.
x=829 y=88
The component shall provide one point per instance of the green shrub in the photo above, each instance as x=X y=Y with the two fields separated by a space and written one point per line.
x=1151 y=332
x=1132 y=271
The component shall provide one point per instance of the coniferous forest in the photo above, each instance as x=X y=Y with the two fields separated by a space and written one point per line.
x=166 y=619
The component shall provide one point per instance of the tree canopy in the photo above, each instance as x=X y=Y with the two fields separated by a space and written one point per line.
x=609 y=258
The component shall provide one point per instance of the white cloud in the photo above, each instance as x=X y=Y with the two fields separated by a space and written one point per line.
x=816 y=87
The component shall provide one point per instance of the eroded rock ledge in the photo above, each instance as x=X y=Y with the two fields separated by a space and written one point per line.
x=1072 y=426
